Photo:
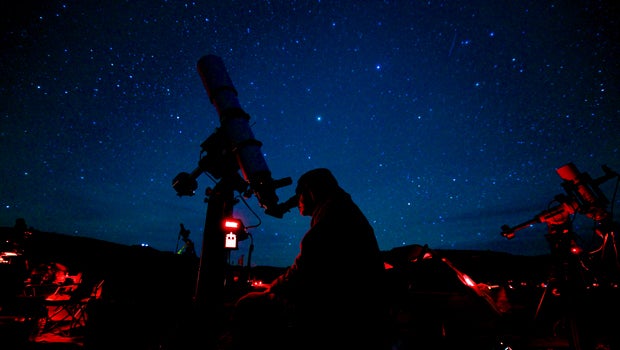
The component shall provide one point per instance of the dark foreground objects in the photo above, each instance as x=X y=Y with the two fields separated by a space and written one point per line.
x=333 y=295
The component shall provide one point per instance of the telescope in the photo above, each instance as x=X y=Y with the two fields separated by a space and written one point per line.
x=233 y=146
x=583 y=196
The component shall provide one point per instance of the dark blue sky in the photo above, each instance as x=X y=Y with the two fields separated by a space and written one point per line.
x=443 y=119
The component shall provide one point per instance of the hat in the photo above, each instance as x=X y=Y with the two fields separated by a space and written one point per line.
x=317 y=180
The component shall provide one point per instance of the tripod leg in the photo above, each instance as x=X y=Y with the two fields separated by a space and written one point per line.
x=540 y=302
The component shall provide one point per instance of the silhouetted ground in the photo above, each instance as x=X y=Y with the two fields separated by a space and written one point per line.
x=147 y=299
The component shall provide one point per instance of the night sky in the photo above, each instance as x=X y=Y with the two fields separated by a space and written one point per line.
x=443 y=119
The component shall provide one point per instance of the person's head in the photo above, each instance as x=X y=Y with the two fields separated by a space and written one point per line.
x=314 y=187
x=20 y=224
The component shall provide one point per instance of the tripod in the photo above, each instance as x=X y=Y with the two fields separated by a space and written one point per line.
x=569 y=285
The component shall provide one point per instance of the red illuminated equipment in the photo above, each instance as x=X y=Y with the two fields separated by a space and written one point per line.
x=577 y=272
x=232 y=224
x=588 y=197
x=583 y=196
x=235 y=232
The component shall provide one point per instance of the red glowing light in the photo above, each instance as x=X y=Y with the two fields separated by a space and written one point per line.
x=232 y=223
x=467 y=280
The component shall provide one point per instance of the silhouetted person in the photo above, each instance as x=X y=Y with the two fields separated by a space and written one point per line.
x=332 y=296
x=20 y=233
x=12 y=276
x=13 y=267
x=20 y=225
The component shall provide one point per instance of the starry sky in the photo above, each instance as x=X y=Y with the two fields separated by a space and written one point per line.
x=443 y=119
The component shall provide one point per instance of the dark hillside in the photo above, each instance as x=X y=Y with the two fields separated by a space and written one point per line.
x=438 y=296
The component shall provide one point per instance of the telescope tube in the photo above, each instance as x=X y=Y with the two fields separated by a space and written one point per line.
x=235 y=125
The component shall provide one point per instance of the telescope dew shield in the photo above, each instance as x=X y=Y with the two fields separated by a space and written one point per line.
x=590 y=199
x=580 y=181
x=235 y=125
x=216 y=81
